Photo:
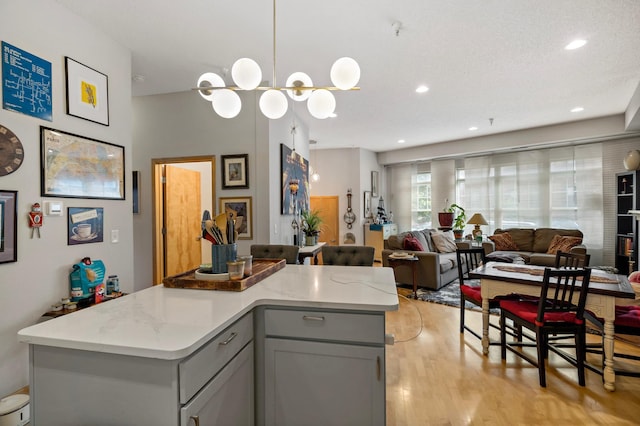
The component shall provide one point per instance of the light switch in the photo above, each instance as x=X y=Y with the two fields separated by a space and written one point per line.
x=115 y=235
x=53 y=208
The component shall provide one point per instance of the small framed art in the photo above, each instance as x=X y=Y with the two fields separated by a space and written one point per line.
x=235 y=171
x=85 y=225
x=8 y=226
x=244 y=220
x=374 y=184
x=87 y=92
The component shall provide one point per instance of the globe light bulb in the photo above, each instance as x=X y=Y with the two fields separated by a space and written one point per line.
x=246 y=73
x=209 y=79
x=321 y=103
x=226 y=103
x=299 y=79
x=273 y=104
x=345 y=73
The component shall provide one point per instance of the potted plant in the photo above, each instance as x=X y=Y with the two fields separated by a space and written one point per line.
x=459 y=221
x=311 y=222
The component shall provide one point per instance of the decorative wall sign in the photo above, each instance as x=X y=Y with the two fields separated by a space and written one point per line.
x=235 y=173
x=77 y=167
x=87 y=92
x=26 y=83
x=85 y=225
x=11 y=152
x=242 y=206
x=8 y=226
x=295 y=173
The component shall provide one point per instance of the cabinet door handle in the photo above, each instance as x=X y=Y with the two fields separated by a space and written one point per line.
x=378 y=368
x=229 y=339
x=312 y=318
x=196 y=420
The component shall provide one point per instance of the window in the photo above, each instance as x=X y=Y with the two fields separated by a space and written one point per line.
x=421 y=201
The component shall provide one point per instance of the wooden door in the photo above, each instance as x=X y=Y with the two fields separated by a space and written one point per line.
x=182 y=220
x=327 y=207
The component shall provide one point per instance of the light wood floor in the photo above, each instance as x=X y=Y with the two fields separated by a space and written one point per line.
x=441 y=377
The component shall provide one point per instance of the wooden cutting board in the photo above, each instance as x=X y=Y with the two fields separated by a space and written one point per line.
x=262 y=268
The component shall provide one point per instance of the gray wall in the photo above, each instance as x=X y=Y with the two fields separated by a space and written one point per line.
x=40 y=276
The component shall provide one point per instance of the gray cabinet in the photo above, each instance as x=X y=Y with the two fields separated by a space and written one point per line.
x=128 y=390
x=323 y=368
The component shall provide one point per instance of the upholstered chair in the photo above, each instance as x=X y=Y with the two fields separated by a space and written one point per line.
x=276 y=251
x=348 y=255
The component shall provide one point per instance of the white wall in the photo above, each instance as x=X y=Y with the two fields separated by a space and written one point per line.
x=40 y=276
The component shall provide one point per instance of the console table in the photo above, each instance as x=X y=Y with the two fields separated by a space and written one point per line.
x=374 y=236
x=310 y=251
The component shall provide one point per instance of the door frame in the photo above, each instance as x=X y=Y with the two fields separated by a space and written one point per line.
x=157 y=204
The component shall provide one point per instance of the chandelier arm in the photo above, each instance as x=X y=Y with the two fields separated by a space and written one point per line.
x=207 y=89
x=273 y=83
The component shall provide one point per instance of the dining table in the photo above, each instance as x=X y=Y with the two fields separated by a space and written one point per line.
x=498 y=279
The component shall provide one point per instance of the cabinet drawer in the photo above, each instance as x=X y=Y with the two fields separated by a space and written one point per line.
x=200 y=367
x=323 y=325
x=389 y=230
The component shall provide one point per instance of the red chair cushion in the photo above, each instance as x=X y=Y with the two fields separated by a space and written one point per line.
x=472 y=293
x=528 y=310
x=628 y=316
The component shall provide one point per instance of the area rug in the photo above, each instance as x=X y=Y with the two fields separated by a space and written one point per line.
x=449 y=295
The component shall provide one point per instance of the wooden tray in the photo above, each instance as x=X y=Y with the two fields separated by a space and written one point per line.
x=262 y=268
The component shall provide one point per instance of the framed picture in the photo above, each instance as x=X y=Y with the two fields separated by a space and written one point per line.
x=374 y=184
x=85 y=225
x=73 y=166
x=87 y=92
x=368 y=214
x=135 y=189
x=294 y=181
x=244 y=221
x=8 y=226
x=235 y=171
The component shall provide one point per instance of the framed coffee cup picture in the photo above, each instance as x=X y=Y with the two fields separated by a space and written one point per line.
x=85 y=225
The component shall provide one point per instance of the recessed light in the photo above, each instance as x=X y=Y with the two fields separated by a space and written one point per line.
x=577 y=109
x=473 y=128
x=401 y=141
x=422 y=89
x=575 y=44
x=333 y=115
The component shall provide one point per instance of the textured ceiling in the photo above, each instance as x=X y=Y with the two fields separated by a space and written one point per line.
x=481 y=59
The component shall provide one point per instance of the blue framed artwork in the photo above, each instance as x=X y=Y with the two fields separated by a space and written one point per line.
x=26 y=83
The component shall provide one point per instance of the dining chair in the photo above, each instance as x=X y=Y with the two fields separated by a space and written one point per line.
x=348 y=255
x=553 y=313
x=572 y=260
x=276 y=251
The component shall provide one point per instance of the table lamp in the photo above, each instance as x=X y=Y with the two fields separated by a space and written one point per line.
x=477 y=219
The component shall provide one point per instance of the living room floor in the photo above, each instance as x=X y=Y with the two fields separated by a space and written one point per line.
x=439 y=377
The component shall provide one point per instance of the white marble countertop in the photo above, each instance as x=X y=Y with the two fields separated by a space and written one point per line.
x=171 y=323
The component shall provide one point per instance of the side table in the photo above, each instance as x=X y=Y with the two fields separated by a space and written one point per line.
x=410 y=262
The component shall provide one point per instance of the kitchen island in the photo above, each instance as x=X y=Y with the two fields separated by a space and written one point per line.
x=179 y=356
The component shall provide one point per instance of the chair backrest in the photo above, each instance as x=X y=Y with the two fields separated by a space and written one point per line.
x=276 y=251
x=348 y=255
x=468 y=260
x=572 y=260
x=559 y=288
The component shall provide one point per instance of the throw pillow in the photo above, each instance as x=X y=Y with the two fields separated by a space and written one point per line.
x=503 y=242
x=564 y=244
x=411 y=243
x=444 y=243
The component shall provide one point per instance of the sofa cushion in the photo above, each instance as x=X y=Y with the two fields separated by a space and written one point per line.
x=423 y=240
x=563 y=244
x=523 y=237
x=504 y=242
x=411 y=243
x=396 y=242
x=447 y=262
x=444 y=243
x=543 y=237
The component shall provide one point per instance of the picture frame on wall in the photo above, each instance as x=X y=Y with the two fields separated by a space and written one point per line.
x=294 y=181
x=87 y=92
x=374 y=184
x=74 y=166
x=8 y=226
x=235 y=171
x=368 y=213
x=244 y=220
x=135 y=191
x=85 y=225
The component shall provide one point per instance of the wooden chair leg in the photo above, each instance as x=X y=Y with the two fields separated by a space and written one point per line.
x=541 y=343
x=503 y=336
x=461 y=313
x=581 y=342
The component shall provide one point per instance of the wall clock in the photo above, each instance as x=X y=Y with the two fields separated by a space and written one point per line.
x=349 y=216
x=11 y=152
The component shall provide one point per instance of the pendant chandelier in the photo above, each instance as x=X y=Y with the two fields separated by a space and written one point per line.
x=247 y=75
